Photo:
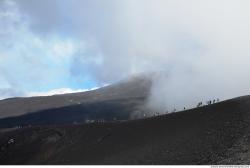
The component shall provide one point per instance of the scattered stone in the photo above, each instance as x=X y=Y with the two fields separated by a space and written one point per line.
x=11 y=141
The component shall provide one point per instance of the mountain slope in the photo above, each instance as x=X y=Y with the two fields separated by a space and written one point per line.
x=115 y=101
x=214 y=134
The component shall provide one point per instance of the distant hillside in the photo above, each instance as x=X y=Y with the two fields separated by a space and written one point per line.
x=117 y=101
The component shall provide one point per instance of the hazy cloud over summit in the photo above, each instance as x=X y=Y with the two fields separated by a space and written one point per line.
x=203 y=46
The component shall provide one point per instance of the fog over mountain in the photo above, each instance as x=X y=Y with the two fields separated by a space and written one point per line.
x=201 y=48
x=137 y=82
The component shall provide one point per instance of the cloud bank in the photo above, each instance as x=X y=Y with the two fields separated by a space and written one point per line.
x=58 y=92
x=202 y=46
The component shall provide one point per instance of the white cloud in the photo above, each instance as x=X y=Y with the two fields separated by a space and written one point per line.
x=10 y=92
x=28 y=60
x=203 y=46
x=58 y=92
x=63 y=49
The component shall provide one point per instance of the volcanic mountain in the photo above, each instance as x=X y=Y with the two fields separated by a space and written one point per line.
x=121 y=101
x=213 y=134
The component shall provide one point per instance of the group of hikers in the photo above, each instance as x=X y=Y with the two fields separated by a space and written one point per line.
x=200 y=104
x=209 y=102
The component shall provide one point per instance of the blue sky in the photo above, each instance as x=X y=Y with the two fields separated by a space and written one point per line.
x=74 y=45
x=36 y=62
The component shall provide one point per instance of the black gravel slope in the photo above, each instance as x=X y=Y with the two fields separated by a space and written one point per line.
x=214 y=134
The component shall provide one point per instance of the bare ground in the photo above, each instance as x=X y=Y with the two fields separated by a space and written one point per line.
x=214 y=134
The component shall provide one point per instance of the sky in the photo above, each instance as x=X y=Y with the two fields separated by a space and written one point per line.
x=202 y=45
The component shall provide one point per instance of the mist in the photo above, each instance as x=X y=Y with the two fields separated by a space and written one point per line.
x=200 y=48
